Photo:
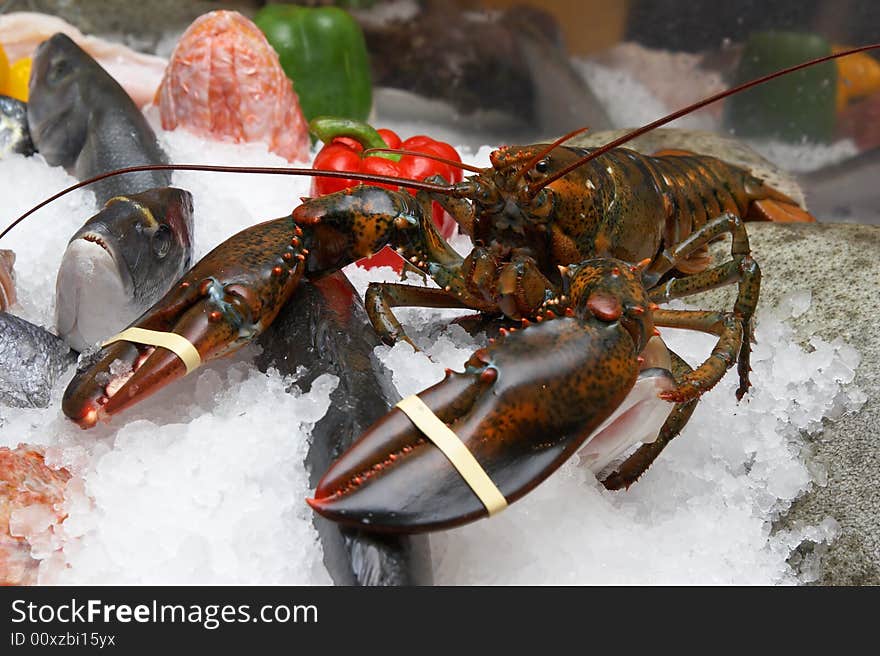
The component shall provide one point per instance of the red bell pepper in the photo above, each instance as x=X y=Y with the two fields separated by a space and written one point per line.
x=345 y=142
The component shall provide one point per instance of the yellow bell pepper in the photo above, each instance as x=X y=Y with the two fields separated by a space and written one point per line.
x=4 y=70
x=857 y=76
x=19 y=75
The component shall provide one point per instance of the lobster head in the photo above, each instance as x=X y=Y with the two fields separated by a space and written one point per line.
x=513 y=205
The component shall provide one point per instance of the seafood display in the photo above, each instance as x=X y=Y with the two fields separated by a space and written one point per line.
x=217 y=315
x=573 y=252
x=31 y=361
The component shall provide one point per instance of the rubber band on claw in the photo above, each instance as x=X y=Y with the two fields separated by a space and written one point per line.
x=456 y=451
x=177 y=344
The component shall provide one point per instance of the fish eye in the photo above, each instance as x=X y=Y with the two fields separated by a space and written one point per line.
x=543 y=166
x=161 y=241
x=58 y=70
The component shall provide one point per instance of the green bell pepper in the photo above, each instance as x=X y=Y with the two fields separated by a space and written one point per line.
x=796 y=106
x=323 y=51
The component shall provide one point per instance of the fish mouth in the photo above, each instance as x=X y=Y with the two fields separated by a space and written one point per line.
x=93 y=291
x=110 y=248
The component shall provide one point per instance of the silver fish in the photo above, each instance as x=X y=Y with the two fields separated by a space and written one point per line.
x=14 y=134
x=31 y=361
x=81 y=119
x=128 y=255
x=121 y=262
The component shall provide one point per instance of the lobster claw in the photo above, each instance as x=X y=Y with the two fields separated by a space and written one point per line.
x=522 y=406
x=222 y=303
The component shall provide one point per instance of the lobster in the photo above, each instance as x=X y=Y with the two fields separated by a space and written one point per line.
x=576 y=245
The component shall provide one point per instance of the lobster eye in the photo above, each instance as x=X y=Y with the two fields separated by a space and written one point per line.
x=543 y=166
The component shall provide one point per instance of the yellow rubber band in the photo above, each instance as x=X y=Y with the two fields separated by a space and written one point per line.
x=456 y=451
x=177 y=344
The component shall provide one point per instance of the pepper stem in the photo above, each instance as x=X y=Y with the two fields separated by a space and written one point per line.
x=327 y=128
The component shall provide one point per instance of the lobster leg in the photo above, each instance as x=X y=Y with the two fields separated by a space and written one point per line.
x=637 y=464
x=381 y=297
x=729 y=330
x=742 y=269
x=458 y=208
x=516 y=287
x=669 y=258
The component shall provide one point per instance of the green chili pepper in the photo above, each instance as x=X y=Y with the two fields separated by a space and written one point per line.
x=323 y=51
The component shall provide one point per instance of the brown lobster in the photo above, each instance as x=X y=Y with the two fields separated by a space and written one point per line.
x=539 y=217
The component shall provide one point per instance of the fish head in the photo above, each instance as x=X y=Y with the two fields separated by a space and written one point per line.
x=58 y=103
x=121 y=262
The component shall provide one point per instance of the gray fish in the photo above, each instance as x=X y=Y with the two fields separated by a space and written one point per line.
x=123 y=260
x=127 y=256
x=31 y=360
x=15 y=137
x=847 y=191
x=81 y=119
x=324 y=328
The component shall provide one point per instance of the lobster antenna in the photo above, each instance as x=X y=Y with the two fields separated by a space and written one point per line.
x=436 y=158
x=280 y=170
x=541 y=155
x=690 y=108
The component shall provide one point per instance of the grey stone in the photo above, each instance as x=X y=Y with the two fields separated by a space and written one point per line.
x=839 y=263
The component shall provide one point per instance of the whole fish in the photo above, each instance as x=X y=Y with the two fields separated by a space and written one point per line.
x=128 y=255
x=121 y=262
x=324 y=328
x=15 y=137
x=31 y=361
x=81 y=119
x=7 y=279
